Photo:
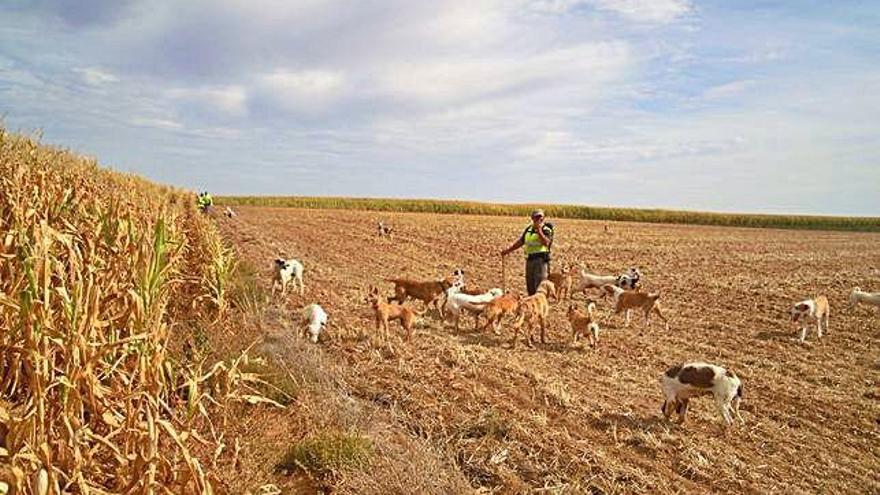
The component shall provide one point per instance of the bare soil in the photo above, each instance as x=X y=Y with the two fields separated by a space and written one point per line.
x=475 y=412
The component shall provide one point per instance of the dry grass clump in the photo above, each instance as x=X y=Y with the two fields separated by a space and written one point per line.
x=328 y=453
x=96 y=270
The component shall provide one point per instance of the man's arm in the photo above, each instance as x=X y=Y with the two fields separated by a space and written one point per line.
x=545 y=238
x=513 y=247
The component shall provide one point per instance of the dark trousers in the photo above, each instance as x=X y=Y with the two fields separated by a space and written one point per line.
x=537 y=270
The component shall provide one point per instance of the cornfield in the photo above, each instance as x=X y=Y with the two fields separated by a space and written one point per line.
x=807 y=222
x=97 y=269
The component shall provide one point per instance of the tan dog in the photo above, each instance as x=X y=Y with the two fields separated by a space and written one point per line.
x=497 y=308
x=811 y=311
x=628 y=300
x=563 y=281
x=533 y=309
x=428 y=292
x=583 y=323
x=386 y=312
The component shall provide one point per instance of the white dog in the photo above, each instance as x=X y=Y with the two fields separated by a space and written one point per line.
x=682 y=382
x=859 y=296
x=811 y=311
x=585 y=280
x=314 y=319
x=456 y=301
x=287 y=271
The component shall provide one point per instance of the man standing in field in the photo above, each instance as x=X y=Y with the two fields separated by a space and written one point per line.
x=537 y=239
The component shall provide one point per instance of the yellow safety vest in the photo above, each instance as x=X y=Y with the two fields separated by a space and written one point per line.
x=533 y=243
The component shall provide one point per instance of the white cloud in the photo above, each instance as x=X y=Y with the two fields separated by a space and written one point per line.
x=646 y=11
x=157 y=123
x=231 y=100
x=310 y=90
x=727 y=90
x=588 y=66
x=95 y=76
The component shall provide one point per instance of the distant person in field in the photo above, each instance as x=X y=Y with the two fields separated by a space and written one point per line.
x=537 y=239
x=204 y=201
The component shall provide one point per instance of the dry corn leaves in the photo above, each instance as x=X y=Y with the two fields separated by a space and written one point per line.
x=91 y=284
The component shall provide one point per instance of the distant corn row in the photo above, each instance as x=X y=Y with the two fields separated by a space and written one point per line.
x=864 y=224
x=96 y=270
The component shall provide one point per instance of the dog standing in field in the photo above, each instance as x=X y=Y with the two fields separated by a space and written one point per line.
x=429 y=292
x=384 y=229
x=533 y=310
x=628 y=300
x=508 y=304
x=583 y=323
x=682 y=382
x=457 y=301
x=563 y=281
x=811 y=311
x=287 y=271
x=585 y=280
x=314 y=319
x=385 y=312
x=229 y=213
x=859 y=296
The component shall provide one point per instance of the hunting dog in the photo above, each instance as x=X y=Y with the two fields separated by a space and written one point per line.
x=684 y=381
x=811 y=311
x=508 y=304
x=384 y=229
x=859 y=296
x=314 y=319
x=583 y=323
x=457 y=301
x=586 y=280
x=563 y=281
x=428 y=292
x=287 y=271
x=385 y=312
x=533 y=310
x=628 y=300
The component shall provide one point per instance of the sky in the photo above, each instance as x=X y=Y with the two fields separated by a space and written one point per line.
x=745 y=106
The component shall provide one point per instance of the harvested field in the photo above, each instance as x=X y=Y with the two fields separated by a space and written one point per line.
x=588 y=420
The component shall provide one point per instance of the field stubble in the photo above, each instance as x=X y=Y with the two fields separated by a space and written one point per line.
x=580 y=419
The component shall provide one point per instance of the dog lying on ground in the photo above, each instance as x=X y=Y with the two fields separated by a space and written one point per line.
x=385 y=312
x=497 y=308
x=563 y=281
x=859 y=296
x=428 y=292
x=583 y=323
x=533 y=310
x=811 y=311
x=457 y=301
x=682 y=382
x=628 y=300
x=585 y=280
x=314 y=319
x=287 y=271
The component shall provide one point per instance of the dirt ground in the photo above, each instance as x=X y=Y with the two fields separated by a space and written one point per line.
x=577 y=419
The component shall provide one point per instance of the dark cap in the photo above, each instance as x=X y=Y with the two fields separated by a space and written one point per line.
x=537 y=213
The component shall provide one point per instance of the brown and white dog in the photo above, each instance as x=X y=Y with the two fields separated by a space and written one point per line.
x=811 y=311
x=585 y=280
x=385 y=312
x=429 y=292
x=583 y=323
x=457 y=301
x=628 y=300
x=684 y=381
x=533 y=310
x=497 y=308
x=385 y=230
